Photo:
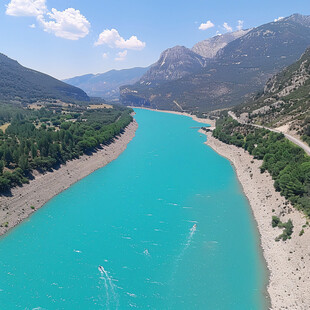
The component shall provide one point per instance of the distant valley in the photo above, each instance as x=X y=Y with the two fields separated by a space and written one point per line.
x=106 y=85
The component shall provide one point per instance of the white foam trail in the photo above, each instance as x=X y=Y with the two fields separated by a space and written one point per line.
x=111 y=285
x=188 y=241
x=186 y=245
x=105 y=285
x=109 y=280
x=107 y=292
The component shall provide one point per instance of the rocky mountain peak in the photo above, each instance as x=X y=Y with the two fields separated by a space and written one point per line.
x=174 y=63
x=300 y=19
x=208 y=48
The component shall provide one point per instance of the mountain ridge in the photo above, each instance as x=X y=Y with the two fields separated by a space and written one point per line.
x=209 y=48
x=239 y=69
x=106 y=85
x=19 y=83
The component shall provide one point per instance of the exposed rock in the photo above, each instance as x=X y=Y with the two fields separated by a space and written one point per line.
x=300 y=19
x=209 y=47
x=174 y=63
x=285 y=102
x=283 y=85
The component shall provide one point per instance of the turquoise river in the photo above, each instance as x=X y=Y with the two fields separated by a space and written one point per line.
x=135 y=217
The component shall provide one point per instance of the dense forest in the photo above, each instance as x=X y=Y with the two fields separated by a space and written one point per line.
x=43 y=139
x=287 y=163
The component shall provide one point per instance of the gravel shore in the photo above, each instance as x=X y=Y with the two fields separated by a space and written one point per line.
x=27 y=199
x=288 y=261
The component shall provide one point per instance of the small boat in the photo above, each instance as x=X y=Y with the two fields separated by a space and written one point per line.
x=101 y=269
x=146 y=252
x=194 y=228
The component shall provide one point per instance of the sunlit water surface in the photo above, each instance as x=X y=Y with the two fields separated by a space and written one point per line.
x=135 y=218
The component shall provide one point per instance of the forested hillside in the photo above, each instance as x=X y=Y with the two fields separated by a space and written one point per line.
x=43 y=139
x=285 y=101
x=287 y=163
x=20 y=84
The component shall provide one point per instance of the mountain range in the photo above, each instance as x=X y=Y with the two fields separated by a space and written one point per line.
x=21 y=84
x=222 y=71
x=106 y=85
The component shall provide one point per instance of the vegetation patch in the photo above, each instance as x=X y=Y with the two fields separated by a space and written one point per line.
x=43 y=139
x=287 y=163
x=287 y=228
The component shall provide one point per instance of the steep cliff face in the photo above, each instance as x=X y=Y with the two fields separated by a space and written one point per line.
x=209 y=47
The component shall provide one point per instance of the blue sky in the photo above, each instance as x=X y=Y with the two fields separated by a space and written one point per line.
x=61 y=37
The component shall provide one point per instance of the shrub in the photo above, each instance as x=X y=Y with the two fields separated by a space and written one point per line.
x=275 y=221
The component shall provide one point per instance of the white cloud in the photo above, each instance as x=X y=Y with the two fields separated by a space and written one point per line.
x=218 y=33
x=121 y=56
x=26 y=7
x=227 y=27
x=207 y=25
x=113 y=39
x=105 y=55
x=32 y=26
x=68 y=24
x=279 y=18
x=240 y=24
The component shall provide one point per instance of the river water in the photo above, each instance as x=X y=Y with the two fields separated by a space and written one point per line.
x=167 y=221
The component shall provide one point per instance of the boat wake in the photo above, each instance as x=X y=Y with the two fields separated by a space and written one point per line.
x=185 y=247
x=104 y=286
x=106 y=283
x=188 y=240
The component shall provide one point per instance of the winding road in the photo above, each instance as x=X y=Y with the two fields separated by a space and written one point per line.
x=296 y=141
